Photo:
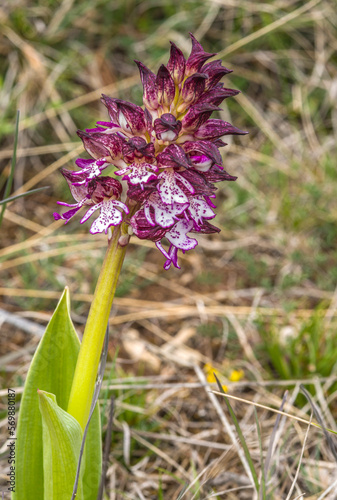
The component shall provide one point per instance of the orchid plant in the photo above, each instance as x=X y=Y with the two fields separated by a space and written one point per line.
x=163 y=161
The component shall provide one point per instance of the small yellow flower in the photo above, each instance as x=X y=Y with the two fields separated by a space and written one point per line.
x=210 y=372
x=236 y=375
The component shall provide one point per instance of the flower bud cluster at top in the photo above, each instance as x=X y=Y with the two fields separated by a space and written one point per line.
x=168 y=154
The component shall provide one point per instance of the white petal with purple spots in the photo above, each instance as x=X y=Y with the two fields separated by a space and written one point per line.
x=178 y=235
x=138 y=172
x=165 y=214
x=169 y=190
x=199 y=210
x=109 y=215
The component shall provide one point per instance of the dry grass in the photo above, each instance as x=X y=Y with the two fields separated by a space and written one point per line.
x=261 y=297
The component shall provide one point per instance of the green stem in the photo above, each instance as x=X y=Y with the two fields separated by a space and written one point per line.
x=89 y=356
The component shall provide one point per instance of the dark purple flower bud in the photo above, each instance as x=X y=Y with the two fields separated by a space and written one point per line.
x=112 y=142
x=213 y=129
x=203 y=154
x=131 y=117
x=167 y=127
x=203 y=147
x=111 y=106
x=176 y=64
x=197 y=57
x=206 y=228
x=148 y=78
x=219 y=143
x=137 y=148
x=197 y=115
x=105 y=187
x=144 y=230
x=215 y=72
x=217 y=174
x=192 y=89
x=141 y=193
x=217 y=95
x=173 y=156
x=199 y=183
x=78 y=191
x=94 y=147
x=165 y=87
x=148 y=121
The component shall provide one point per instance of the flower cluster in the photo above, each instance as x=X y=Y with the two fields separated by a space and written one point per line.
x=168 y=154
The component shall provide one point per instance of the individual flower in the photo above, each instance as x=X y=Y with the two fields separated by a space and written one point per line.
x=211 y=372
x=236 y=375
x=99 y=194
x=155 y=168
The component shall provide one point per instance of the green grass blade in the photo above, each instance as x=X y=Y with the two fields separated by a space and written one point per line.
x=332 y=443
x=10 y=179
x=262 y=489
x=241 y=436
x=16 y=197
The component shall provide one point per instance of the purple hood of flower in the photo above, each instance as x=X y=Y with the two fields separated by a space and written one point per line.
x=167 y=153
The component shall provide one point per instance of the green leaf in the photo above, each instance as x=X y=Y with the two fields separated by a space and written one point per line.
x=52 y=370
x=62 y=437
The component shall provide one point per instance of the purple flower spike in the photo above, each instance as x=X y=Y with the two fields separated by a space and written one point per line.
x=167 y=154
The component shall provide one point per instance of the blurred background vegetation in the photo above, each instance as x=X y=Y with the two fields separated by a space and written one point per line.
x=261 y=296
